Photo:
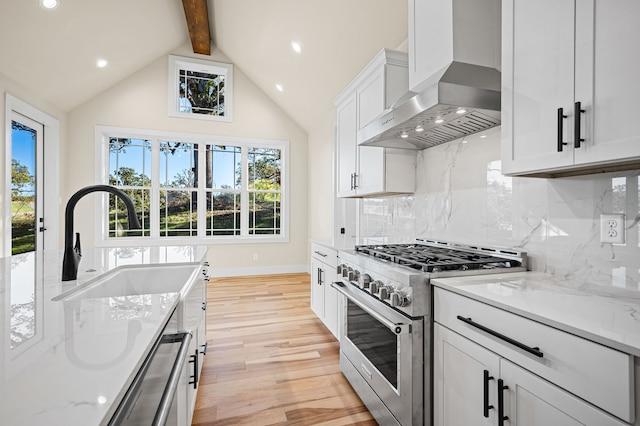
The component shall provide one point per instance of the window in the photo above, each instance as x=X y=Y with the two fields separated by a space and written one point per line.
x=200 y=89
x=185 y=186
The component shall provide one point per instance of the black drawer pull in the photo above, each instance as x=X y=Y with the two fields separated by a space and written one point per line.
x=535 y=351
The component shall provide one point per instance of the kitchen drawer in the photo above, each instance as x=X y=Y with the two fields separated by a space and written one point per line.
x=324 y=254
x=596 y=373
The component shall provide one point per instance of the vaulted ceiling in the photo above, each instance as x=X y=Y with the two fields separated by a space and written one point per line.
x=54 y=52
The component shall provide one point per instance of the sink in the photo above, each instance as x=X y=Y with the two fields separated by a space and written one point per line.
x=134 y=280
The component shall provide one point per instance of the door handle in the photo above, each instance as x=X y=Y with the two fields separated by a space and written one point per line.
x=578 y=111
x=485 y=406
x=561 y=118
x=501 y=389
x=194 y=360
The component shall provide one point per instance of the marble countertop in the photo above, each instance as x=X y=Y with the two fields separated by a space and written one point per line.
x=70 y=363
x=604 y=314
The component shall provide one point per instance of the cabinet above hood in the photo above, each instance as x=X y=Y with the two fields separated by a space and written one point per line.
x=460 y=95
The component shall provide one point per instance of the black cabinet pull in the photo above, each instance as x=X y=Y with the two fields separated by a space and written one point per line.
x=534 y=351
x=561 y=118
x=194 y=360
x=501 y=389
x=204 y=348
x=204 y=305
x=576 y=123
x=486 y=407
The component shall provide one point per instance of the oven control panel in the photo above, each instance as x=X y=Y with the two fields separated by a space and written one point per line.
x=377 y=286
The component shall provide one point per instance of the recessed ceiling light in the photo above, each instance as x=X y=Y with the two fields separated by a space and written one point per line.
x=279 y=87
x=419 y=129
x=404 y=135
x=483 y=136
x=461 y=111
x=464 y=140
x=101 y=63
x=296 y=46
x=49 y=4
x=439 y=121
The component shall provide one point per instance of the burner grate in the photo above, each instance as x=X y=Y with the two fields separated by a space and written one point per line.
x=428 y=258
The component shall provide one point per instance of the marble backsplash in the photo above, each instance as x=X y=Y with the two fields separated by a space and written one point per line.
x=461 y=196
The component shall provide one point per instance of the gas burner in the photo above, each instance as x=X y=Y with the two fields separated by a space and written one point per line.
x=434 y=256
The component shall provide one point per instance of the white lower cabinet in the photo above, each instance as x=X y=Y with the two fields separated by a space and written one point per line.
x=324 y=298
x=195 y=321
x=482 y=377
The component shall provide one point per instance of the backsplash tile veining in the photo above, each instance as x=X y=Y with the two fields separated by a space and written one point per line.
x=462 y=196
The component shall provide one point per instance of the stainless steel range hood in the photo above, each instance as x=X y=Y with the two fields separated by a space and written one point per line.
x=462 y=97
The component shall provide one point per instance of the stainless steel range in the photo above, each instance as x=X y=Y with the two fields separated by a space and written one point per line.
x=385 y=350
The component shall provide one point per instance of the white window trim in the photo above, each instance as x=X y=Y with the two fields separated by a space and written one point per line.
x=102 y=135
x=192 y=64
x=51 y=170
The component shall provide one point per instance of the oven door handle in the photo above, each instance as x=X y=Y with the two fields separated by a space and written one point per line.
x=396 y=328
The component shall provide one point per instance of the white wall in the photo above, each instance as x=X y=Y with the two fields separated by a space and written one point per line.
x=461 y=196
x=7 y=85
x=140 y=101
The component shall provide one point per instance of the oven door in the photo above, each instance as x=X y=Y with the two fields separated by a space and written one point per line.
x=385 y=347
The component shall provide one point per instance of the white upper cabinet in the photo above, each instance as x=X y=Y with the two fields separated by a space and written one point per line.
x=569 y=85
x=371 y=171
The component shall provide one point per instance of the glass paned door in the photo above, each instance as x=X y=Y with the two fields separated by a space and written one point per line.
x=27 y=187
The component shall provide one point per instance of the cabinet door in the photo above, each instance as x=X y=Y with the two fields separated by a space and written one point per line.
x=371 y=170
x=459 y=380
x=607 y=79
x=371 y=98
x=330 y=299
x=346 y=146
x=317 y=289
x=532 y=401
x=538 y=78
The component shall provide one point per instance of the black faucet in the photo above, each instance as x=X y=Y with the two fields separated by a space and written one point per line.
x=72 y=254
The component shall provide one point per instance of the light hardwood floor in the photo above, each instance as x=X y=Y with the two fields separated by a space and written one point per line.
x=270 y=360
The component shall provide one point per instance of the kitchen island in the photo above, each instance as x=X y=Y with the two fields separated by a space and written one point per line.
x=70 y=362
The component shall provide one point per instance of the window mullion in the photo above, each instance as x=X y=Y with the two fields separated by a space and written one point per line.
x=154 y=206
x=244 y=192
x=201 y=190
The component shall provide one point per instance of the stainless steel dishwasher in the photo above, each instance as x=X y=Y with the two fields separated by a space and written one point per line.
x=153 y=397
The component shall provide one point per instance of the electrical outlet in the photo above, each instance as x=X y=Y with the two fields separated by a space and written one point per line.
x=612 y=228
x=255 y=256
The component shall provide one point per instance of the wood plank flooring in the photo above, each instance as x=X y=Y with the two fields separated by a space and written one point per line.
x=270 y=360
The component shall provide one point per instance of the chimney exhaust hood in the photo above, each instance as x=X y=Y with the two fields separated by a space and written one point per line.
x=463 y=96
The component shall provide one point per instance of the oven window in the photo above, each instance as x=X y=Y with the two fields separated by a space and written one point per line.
x=375 y=341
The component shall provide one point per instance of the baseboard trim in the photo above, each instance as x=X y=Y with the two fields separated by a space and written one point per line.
x=261 y=270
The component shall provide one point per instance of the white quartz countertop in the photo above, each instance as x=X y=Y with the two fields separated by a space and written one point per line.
x=604 y=314
x=70 y=362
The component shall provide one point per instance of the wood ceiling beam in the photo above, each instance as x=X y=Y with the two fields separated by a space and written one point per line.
x=198 y=23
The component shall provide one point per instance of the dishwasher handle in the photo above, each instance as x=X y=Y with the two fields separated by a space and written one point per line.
x=162 y=415
x=130 y=398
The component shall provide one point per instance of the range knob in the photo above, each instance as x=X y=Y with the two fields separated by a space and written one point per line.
x=346 y=270
x=398 y=299
x=353 y=275
x=375 y=286
x=340 y=268
x=364 y=280
x=385 y=292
